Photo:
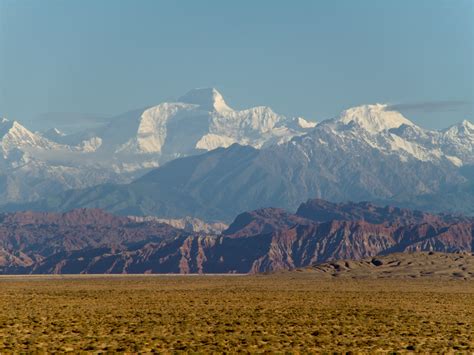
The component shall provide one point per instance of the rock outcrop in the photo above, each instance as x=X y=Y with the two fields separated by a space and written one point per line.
x=92 y=241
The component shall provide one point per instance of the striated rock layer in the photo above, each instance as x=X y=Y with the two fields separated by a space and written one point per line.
x=92 y=241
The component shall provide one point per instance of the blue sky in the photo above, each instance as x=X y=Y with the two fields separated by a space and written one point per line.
x=306 y=58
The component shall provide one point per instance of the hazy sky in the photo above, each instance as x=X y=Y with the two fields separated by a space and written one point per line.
x=307 y=58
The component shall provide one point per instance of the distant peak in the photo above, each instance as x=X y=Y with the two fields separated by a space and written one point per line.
x=373 y=118
x=18 y=126
x=467 y=124
x=11 y=124
x=207 y=98
x=13 y=127
x=302 y=123
x=461 y=127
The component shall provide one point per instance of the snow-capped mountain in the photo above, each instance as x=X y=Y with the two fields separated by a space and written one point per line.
x=33 y=166
x=133 y=143
x=352 y=147
x=371 y=118
x=392 y=133
x=199 y=121
x=15 y=137
x=365 y=153
x=458 y=141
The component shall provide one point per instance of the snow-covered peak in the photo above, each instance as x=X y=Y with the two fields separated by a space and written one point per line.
x=13 y=136
x=207 y=98
x=458 y=140
x=8 y=127
x=462 y=128
x=302 y=123
x=467 y=124
x=373 y=118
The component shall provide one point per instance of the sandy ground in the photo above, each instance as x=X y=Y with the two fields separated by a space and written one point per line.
x=297 y=311
x=402 y=266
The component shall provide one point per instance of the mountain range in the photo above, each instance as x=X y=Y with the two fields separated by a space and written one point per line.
x=93 y=241
x=367 y=153
x=36 y=164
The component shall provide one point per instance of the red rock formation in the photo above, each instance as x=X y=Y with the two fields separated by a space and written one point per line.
x=91 y=241
x=28 y=238
x=262 y=221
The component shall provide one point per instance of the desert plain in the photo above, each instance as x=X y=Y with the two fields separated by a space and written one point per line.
x=296 y=311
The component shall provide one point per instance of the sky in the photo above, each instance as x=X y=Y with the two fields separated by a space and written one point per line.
x=99 y=58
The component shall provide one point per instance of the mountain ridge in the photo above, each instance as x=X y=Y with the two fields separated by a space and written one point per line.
x=324 y=163
x=368 y=152
x=129 y=145
x=93 y=241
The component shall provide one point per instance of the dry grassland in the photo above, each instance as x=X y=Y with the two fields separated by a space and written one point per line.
x=287 y=312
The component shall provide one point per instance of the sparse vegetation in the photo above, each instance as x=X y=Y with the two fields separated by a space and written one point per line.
x=292 y=311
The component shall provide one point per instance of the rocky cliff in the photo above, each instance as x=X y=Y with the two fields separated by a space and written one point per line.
x=92 y=241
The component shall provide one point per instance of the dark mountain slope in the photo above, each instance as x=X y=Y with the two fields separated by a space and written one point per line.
x=224 y=182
